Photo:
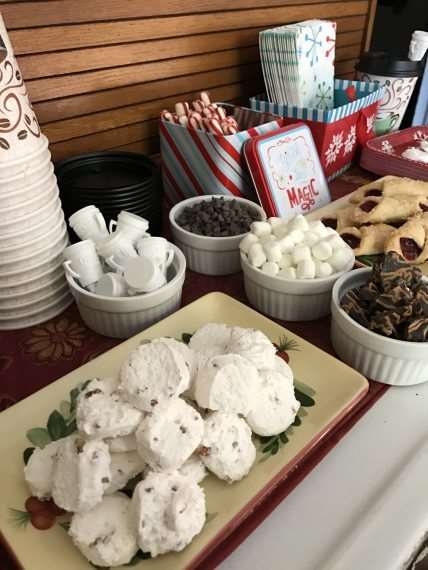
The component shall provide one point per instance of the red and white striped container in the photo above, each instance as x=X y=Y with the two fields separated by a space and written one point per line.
x=195 y=162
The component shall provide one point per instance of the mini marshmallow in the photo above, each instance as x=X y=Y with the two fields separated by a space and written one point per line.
x=270 y=268
x=305 y=269
x=341 y=258
x=272 y=250
x=322 y=269
x=247 y=242
x=285 y=261
x=300 y=253
x=319 y=228
x=298 y=223
x=297 y=236
x=335 y=241
x=286 y=244
x=310 y=238
x=288 y=273
x=280 y=230
x=322 y=250
x=261 y=228
x=266 y=238
x=274 y=221
x=256 y=255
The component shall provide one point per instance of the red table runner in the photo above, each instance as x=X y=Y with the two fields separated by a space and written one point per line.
x=33 y=358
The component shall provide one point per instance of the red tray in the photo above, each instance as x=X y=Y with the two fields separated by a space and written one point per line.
x=382 y=155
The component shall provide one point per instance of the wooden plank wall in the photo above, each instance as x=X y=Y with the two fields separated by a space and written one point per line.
x=99 y=71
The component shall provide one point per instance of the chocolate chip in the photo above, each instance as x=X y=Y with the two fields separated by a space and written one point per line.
x=373 y=192
x=235 y=444
x=154 y=402
x=183 y=429
x=351 y=240
x=368 y=206
x=148 y=489
x=105 y=480
x=204 y=451
x=174 y=488
x=330 y=222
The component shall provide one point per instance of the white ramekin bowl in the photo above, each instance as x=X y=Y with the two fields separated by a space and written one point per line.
x=27 y=248
x=205 y=254
x=387 y=360
x=122 y=317
x=289 y=299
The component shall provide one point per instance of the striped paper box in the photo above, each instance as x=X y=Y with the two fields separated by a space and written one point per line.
x=339 y=133
x=196 y=162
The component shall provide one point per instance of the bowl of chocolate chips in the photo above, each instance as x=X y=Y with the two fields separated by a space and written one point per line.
x=208 y=230
x=380 y=321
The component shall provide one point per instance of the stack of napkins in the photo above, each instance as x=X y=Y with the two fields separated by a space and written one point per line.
x=298 y=63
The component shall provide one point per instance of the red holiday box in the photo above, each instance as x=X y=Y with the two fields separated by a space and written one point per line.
x=339 y=132
x=287 y=172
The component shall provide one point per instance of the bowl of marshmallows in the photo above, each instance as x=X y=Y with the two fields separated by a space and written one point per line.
x=122 y=278
x=290 y=267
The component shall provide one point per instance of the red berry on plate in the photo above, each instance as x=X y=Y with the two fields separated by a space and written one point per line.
x=54 y=509
x=283 y=355
x=34 y=505
x=42 y=520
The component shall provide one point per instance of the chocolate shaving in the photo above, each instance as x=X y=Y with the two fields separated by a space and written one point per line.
x=393 y=303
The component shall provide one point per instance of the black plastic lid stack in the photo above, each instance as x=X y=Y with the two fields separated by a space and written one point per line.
x=388 y=65
x=112 y=181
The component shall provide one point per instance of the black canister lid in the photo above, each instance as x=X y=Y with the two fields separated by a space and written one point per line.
x=388 y=65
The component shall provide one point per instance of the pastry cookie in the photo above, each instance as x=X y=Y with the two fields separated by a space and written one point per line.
x=374 y=210
x=169 y=435
x=410 y=241
x=227 y=449
x=106 y=534
x=169 y=512
x=367 y=240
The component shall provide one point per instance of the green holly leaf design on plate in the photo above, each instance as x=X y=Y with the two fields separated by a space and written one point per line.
x=57 y=427
x=304 y=399
x=39 y=437
x=19 y=518
x=65 y=409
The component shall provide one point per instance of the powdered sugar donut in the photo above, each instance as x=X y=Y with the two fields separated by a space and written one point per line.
x=253 y=345
x=169 y=435
x=169 y=511
x=275 y=406
x=81 y=473
x=153 y=373
x=227 y=449
x=123 y=467
x=106 y=534
x=227 y=382
x=39 y=470
x=101 y=411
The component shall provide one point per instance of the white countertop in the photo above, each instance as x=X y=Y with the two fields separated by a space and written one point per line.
x=364 y=507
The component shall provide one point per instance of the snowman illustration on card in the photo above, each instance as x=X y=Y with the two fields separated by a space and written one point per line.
x=295 y=177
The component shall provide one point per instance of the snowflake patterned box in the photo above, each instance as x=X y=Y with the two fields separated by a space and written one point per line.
x=286 y=171
x=383 y=155
x=339 y=132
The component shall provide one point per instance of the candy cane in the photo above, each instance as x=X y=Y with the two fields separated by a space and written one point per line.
x=167 y=116
x=207 y=113
x=180 y=109
x=221 y=113
x=183 y=120
x=213 y=126
x=195 y=121
x=198 y=105
x=203 y=95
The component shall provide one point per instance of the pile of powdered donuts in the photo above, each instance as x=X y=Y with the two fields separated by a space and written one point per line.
x=202 y=115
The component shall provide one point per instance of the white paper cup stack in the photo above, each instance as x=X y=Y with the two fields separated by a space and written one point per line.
x=33 y=233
